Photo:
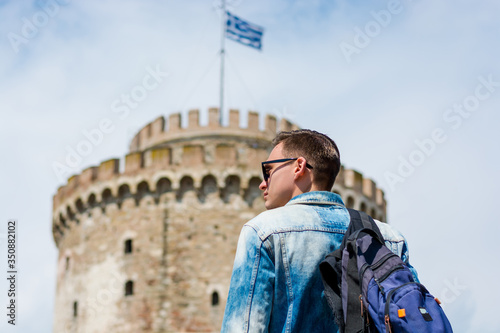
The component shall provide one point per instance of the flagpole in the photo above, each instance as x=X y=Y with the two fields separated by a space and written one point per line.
x=222 y=55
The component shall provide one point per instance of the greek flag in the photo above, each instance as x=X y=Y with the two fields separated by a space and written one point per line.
x=244 y=32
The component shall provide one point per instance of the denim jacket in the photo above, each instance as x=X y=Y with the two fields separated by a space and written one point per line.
x=276 y=284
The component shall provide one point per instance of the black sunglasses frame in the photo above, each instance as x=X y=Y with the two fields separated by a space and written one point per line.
x=266 y=175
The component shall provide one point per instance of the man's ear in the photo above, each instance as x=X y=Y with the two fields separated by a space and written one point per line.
x=300 y=168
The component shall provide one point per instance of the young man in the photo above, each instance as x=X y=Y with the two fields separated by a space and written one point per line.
x=276 y=284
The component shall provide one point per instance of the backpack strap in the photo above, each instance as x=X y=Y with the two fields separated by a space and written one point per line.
x=356 y=315
x=361 y=220
x=354 y=321
x=331 y=272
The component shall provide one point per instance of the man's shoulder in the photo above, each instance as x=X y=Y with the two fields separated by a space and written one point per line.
x=389 y=232
x=298 y=217
x=281 y=216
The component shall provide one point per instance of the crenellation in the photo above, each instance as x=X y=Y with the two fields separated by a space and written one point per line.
x=145 y=134
x=58 y=197
x=174 y=122
x=270 y=124
x=234 y=118
x=369 y=188
x=380 y=198
x=108 y=169
x=285 y=125
x=133 y=162
x=88 y=176
x=354 y=180
x=73 y=182
x=340 y=180
x=135 y=144
x=213 y=118
x=192 y=158
x=68 y=191
x=154 y=133
x=158 y=126
x=253 y=121
x=193 y=119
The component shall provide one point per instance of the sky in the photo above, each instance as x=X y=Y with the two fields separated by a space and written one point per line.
x=409 y=90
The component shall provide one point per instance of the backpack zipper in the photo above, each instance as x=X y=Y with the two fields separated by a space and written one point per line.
x=388 y=327
x=389 y=299
x=383 y=260
x=386 y=275
x=375 y=266
x=387 y=320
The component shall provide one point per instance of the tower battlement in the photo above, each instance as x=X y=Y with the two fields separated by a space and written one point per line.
x=160 y=130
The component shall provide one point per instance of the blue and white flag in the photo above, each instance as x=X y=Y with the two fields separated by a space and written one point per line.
x=244 y=32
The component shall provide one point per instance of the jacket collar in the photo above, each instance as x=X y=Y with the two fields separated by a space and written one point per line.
x=317 y=198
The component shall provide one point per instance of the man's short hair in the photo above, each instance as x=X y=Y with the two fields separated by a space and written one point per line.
x=318 y=149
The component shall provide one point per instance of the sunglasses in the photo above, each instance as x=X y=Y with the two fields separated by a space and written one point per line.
x=266 y=174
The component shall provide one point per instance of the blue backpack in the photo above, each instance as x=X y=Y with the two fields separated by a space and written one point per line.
x=370 y=289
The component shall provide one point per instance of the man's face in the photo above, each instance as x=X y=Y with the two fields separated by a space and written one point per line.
x=279 y=187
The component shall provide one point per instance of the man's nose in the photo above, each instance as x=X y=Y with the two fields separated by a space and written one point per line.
x=263 y=185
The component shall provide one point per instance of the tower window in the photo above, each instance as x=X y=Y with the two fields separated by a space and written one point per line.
x=215 y=298
x=128 y=246
x=129 y=288
x=75 y=309
x=67 y=263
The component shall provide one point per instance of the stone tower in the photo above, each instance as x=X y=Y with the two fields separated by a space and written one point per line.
x=151 y=248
